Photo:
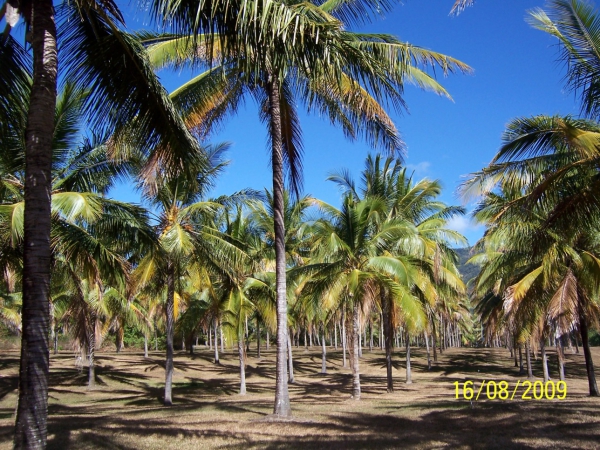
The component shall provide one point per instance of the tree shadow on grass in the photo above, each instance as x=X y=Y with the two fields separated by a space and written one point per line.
x=487 y=426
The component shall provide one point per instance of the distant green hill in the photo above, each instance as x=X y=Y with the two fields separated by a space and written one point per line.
x=467 y=271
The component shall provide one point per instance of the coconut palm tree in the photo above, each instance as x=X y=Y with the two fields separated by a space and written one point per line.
x=290 y=55
x=545 y=274
x=425 y=248
x=83 y=218
x=95 y=53
x=188 y=237
x=349 y=268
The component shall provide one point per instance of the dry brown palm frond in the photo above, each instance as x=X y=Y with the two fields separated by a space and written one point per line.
x=510 y=304
x=563 y=306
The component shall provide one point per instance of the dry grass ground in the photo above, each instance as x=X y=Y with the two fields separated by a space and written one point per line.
x=125 y=411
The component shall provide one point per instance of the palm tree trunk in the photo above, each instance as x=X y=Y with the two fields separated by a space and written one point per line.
x=145 y=345
x=434 y=340
x=355 y=345
x=222 y=339
x=561 y=359
x=170 y=312
x=521 y=368
x=371 y=332
x=408 y=371
x=155 y=336
x=119 y=338
x=388 y=334
x=528 y=356
x=290 y=360
x=544 y=360
x=215 y=328
x=247 y=340
x=344 y=337
x=323 y=353
x=91 y=350
x=359 y=337
x=55 y=343
x=428 y=353
x=242 y=366
x=32 y=410
x=258 y=337
x=282 y=397
x=589 y=364
x=268 y=340
x=335 y=333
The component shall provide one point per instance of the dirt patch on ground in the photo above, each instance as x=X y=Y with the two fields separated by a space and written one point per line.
x=125 y=410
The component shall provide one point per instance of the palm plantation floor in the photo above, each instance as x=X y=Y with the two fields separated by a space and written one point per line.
x=125 y=410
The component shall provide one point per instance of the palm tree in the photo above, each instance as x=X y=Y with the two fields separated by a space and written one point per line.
x=233 y=285
x=293 y=54
x=98 y=53
x=187 y=237
x=348 y=268
x=424 y=247
x=551 y=163
x=545 y=270
x=83 y=218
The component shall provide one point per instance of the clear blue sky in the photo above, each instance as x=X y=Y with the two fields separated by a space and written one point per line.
x=515 y=74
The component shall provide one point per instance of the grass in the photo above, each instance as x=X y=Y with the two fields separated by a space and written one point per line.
x=125 y=410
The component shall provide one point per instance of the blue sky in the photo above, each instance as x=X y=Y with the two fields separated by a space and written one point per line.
x=515 y=74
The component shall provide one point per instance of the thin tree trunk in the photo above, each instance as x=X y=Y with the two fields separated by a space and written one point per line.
x=56 y=343
x=155 y=336
x=282 y=397
x=441 y=336
x=258 y=337
x=355 y=345
x=381 y=336
x=444 y=337
x=210 y=334
x=371 y=333
x=521 y=368
x=222 y=339
x=169 y=330
x=408 y=371
x=561 y=359
x=31 y=429
x=359 y=340
x=544 y=359
x=242 y=366
x=428 y=355
x=215 y=327
x=335 y=333
x=386 y=309
x=528 y=356
x=290 y=361
x=589 y=364
x=434 y=340
x=145 y=345
x=344 y=338
x=268 y=340
x=91 y=350
x=323 y=353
